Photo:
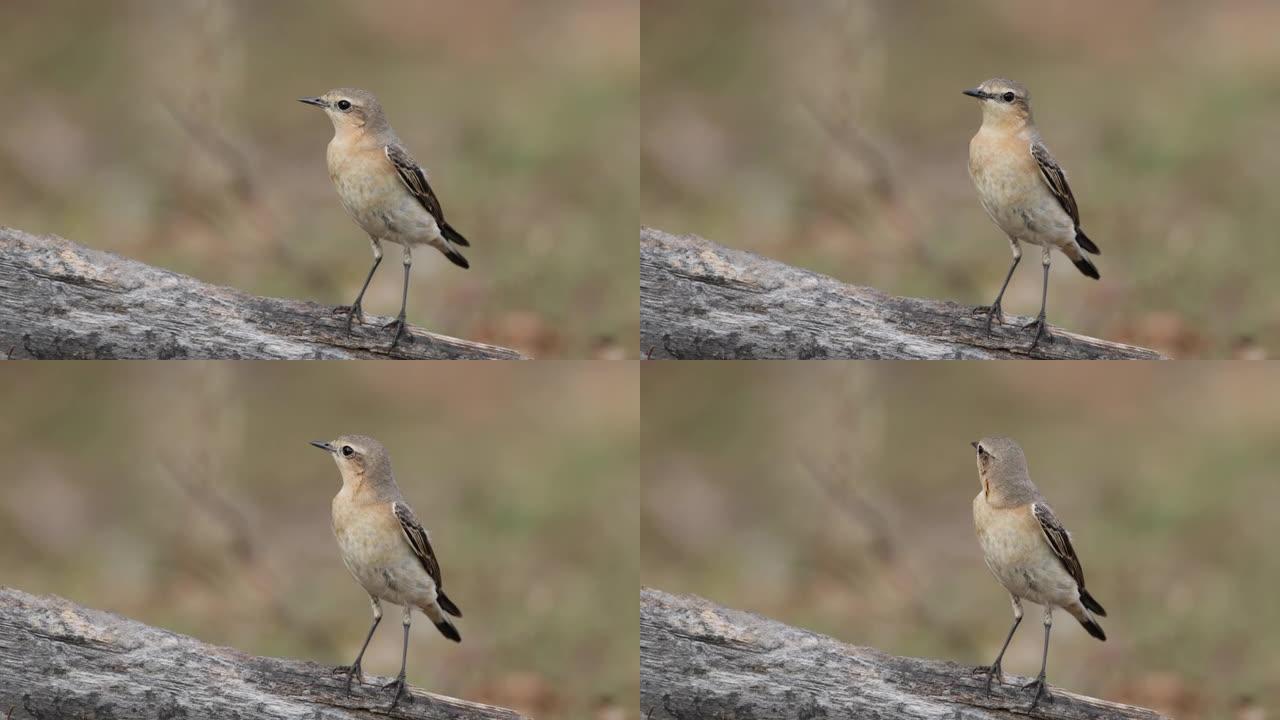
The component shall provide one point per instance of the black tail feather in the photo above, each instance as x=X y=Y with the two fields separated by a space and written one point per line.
x=1084 y=242
x=1083 y=265
x=447 y=629
x=455 y=257
x=447 y=605
x=456 y=238
x=1087 y=600
x=1093 y=628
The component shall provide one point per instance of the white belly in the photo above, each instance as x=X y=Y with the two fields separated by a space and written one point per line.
x=1020 y=558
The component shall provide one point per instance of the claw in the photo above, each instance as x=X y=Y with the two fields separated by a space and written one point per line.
x=398 y=324
x=352 y=312
x=398 y=684
x=350 y=671
x=1039 y=324
x=991 y=671
x=993 y=312
x=1039 y=685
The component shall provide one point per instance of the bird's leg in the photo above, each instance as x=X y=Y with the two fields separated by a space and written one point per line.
x=356 y=310
x=1039 y=323
x=398 y=323
x=994 y=311
x=1039 y=682
x=993 y=670
x=398 y=683
x=353 y=670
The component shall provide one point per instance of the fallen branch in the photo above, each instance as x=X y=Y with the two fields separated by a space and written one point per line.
x=61 y=300
x=699 y=300
x=700 y=660
x=60 y=660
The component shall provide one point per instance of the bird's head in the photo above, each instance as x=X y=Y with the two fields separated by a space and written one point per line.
x=349 y=108
x=1003 y=101
x=357 y=457
x=1002 y=467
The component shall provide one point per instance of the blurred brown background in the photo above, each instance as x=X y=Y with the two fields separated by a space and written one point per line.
x=169 y=132
x=832 y=135
x=838 y=498
x=186 y=496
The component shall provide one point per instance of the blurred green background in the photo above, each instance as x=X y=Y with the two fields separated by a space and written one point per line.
x=187 y=497
x=832 y=135
x=169 y=132
x=838 y=498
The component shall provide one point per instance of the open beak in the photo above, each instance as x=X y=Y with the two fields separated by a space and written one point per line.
x=318 y=102
x=971 y=92
x=322 y=445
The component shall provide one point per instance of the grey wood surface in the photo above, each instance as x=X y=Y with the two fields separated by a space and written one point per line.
x=700 y=660
x=700 y=300
x=60 y=300
x=60 y=660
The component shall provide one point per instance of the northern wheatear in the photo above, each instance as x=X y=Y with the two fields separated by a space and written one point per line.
x=1023 y=188
x=383 y=189
x=384 y=546
x=1027 y=549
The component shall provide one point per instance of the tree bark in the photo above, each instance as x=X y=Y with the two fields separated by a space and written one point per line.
x=60 y=660
x=700 y=660
x=61 y=300
x=699 y=300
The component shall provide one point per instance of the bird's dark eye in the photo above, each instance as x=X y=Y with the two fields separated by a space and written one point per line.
x=982 y=450
x=1008 y=97
x=347 y=449
x=346 y=105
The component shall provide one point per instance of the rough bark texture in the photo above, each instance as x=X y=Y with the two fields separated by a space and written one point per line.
x=699 y=300
x=699 y=660
x=61 y=300
x=60 y=660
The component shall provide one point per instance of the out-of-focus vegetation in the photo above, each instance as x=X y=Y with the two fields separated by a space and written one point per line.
x=170 y=132
x=838 y=498
x=187 y=497
x=833 y=135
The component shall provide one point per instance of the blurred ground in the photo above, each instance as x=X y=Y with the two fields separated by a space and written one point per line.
x=170 y=132
x=832 y=135
x=186 y=496
x=838 y=498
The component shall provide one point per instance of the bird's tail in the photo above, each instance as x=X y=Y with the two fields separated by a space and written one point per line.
x=1081 y=239
x=452 y=253
x=456 y=238
x=1084 y=613
x=433 y=611
x=447 y=605
x=1092 y=605
x=1081 y=261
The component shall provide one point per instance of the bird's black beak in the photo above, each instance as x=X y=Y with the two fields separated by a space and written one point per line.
x=971 y=92
x=974 y=444
x=322 y=445
x=318 y=102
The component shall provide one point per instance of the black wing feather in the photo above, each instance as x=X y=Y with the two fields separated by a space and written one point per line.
x=1056 y=180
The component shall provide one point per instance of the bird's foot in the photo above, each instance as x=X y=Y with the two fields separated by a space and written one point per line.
x=991 y=671
x=1042 y=332
x=1039 y=684
x=993 y=312
x=350 y=671
x=398 y=684
x=353 y=312
x=398 y=324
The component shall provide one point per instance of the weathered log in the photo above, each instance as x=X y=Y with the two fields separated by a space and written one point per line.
x=699 y=300
x=62 y=300
x=700 y=660
x=61 y=660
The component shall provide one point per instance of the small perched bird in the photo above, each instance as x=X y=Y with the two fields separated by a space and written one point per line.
x=384 y=546
x=383 y=189
x=1023 y=189
x=1027 y=549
